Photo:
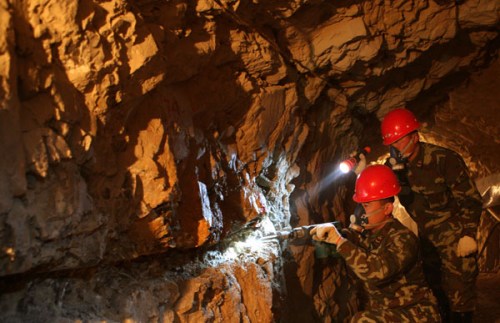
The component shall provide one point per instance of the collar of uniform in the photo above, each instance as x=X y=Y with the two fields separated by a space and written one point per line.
x=380 y=234
x=419 y=160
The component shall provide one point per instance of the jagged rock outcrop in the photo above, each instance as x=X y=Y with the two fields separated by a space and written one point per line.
x=133 y=128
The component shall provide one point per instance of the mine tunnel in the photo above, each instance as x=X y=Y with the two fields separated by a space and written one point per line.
x=157 y=155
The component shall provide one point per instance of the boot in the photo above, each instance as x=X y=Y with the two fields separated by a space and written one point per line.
x=461 y=317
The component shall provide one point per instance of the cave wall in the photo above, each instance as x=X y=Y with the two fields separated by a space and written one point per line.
x=132 y=129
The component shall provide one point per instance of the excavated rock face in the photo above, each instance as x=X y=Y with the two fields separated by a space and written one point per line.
x=143 y=140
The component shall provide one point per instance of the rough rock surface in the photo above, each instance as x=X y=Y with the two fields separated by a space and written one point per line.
x=132 y=129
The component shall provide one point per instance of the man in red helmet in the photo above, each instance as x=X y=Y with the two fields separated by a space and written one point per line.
x=393 y=280
x=439 y=195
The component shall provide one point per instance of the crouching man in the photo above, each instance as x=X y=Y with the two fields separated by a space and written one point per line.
x=385 y=257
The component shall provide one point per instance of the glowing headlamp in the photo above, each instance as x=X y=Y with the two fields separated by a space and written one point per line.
x=349 y=164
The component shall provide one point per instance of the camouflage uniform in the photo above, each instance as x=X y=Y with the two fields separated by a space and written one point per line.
x=393 y=280
x=446 y=206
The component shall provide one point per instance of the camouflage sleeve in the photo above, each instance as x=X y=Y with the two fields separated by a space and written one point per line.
x=464 y=191
x=384 y=262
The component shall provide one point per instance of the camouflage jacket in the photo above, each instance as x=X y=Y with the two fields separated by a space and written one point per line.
x=389 y=265
x=442 y=190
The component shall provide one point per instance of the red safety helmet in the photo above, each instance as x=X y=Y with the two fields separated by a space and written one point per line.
x=376 y=182
x=397 y=124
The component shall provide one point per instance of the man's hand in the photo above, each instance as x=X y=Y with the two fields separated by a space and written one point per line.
x=326 y=232
x=466 y=246
x=361 y=164
x=361 y=161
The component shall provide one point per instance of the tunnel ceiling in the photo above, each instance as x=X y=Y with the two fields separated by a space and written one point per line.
x=132 y=128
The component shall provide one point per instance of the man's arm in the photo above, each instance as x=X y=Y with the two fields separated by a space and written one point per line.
x=464 y=191
x=396 y=253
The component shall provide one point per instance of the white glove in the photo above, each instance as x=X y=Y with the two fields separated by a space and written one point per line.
x=466 y=246
x=361 y=164
x=326 y=232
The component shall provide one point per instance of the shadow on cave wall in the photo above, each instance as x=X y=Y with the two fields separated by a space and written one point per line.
x=52 y=117
x=195 y=116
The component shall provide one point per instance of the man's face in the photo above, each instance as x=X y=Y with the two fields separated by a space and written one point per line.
x=406 y=145
x=377 y=210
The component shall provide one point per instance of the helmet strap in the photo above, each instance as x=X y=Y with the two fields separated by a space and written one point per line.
x=369 y=214
x=369 y=226
x=410 y=144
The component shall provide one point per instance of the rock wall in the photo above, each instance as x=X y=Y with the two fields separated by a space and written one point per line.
x=131 y=129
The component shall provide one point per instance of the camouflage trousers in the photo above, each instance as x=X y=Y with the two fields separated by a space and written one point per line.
x=451 y=278
x=422 y=312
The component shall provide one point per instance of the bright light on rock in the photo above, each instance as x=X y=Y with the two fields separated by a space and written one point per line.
x=230 y=254
x=252 y=244
x=243 y=250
